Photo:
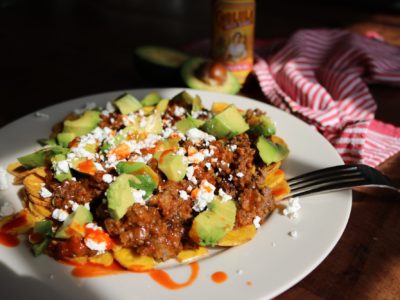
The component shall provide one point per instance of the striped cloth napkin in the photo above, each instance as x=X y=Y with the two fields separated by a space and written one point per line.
x=321 y=76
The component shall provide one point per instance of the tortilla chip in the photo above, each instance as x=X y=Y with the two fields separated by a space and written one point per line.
x=274 y=178
x=33 y=185
x=46 y=202
x=186 y=256
x=106 y=259
x=19 y=171
x=129 y=260
x=39 y=211
x=238 y=236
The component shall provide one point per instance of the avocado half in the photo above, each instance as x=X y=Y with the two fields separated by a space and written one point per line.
x=159 y=65
x=188 y=72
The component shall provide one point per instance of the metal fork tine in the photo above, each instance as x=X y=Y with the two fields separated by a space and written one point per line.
x=337 y=178
x=322 y=172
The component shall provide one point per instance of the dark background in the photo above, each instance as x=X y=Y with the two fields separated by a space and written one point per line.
x=55 y=50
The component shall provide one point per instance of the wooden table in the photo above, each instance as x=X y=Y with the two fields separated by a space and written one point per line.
x=54 y=51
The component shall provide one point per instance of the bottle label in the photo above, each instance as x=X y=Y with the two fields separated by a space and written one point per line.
x=233 y=36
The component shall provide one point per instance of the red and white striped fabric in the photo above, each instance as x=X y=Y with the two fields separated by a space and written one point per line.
x=321 y=76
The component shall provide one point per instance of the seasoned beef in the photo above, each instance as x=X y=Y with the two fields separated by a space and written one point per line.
x=116 y=124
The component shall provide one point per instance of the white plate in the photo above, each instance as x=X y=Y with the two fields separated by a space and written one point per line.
x=273 y=261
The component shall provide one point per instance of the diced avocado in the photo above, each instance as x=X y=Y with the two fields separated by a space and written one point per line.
x=162 y=106
x=60 y=176
x=188 y=123
x=41 y=157
x=75 y=223
x=173 y=165
x=265 y=126
x=47 y=142
x=145 y=178
x=171 y=144
x=44 y=227
x=210 y=226
x=119 y=196
x=271 y=152
x=189 y=73
x=126 y=104
x=148 y=110
x=64 y=138
x=185 y=100
x=39 y=248
x=227 y=123
x=83 y=125
x=153 y=124
x=44 y=230
x=151 y=99
x=83 y=165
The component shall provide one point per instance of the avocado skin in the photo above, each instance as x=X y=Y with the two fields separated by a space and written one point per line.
x=271 y=152
x=210 y=226
x=154 y=72
x=188 y=73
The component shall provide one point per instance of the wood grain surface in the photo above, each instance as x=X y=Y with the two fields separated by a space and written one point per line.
x=53 y=51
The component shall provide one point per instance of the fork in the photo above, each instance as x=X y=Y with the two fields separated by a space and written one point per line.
x=338 y=178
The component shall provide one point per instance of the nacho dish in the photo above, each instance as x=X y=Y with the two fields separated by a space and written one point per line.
x=140 y=182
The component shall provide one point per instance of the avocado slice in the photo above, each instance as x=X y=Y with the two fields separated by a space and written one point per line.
x=41 y=157
x=188 y=123
x=83 y=125
x=119 y=196
x=64 y=138
x=265 y=126
x=189 y=74
x=160 y=65
x=162 y=106
x=146 y=179
x=126 y=104
x=184 y=99
x=44 y=229
x=227 y=123
x=74 y=224
x=173 y=165
x=151 y=99
x=60 y=176
x=210 y=226
x=271 y=152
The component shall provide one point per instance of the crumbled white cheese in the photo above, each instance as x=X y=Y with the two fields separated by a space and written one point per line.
x=59 y=215
x=204 y=196
x=196 y=114
x=92 y=245
x=138 y=196
x=41 y=115
x=93 y=226
x=189 y=174
x=167 y=132
x=179 y=111
x=293 y=234
x=224 y=196
x=61 y=166
x=256 y=222
x=99 y=167
x=239 y=174
x=181 y=151
x=196 y=136
x=87 y=205
x=208 y=165
x=183 y=195
x=232 y=147
x=208 y=153
x=6 y=209
x=292 y=208
x=196 y=158
x=74 y=205
x=45 y=193
x=107 y=178
x=3 y=179
x=230 y=178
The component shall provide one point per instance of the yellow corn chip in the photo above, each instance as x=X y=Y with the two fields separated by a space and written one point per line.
x=129 y=260
x=39 y=211
x=280 y=190
x=186 y=256
x=33 y=184
x=274 y=178
x=46 y=202
x=106 y=259
x=238 y=236
x=17 y=170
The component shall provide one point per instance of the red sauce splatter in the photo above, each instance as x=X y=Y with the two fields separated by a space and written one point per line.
x=87 y=166
x=8 y=240
x=162 y=278
x=95 y=270
x=15 y=223
x=219 y=277
x=279 y=191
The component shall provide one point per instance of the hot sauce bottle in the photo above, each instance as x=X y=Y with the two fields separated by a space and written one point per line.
x=233 y=35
